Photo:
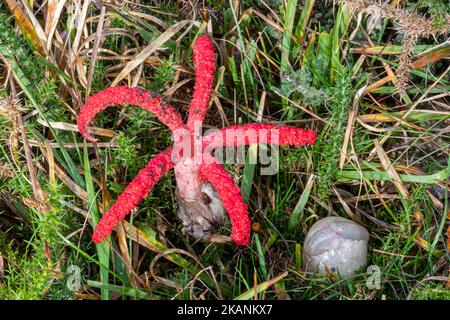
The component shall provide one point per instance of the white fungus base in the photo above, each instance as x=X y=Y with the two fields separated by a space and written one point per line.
x=346 y=259
x=335 y=244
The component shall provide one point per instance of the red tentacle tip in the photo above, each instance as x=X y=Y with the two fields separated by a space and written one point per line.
x=310 y=136
x=232 y=201
x=241 y=236
x=204 y=60
x=99 y=235
x=82 y=122
x=203 y=44
x=87 y=136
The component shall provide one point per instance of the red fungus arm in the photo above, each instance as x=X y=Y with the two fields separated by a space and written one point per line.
x=204 y=71
x=133 y=194
x=125 y=95
x=259 y=133
x=231 y=198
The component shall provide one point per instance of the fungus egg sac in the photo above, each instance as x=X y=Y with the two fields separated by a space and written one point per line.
x=336 y=244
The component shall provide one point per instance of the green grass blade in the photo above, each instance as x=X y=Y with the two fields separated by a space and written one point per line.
x=103 y=249
x=384 y=176
x=300 y=30
x=297 y=213
x=439 y=233
x=262 y=260
x=247 y=295
x=249 y=172
x=125 y=291
x=288 y=23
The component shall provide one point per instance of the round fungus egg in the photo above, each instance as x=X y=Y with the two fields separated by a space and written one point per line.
x=335 y=244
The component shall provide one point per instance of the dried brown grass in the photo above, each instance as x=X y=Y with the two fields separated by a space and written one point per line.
x=410 y=24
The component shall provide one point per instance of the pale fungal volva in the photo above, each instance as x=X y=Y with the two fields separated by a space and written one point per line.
x=336 y=244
